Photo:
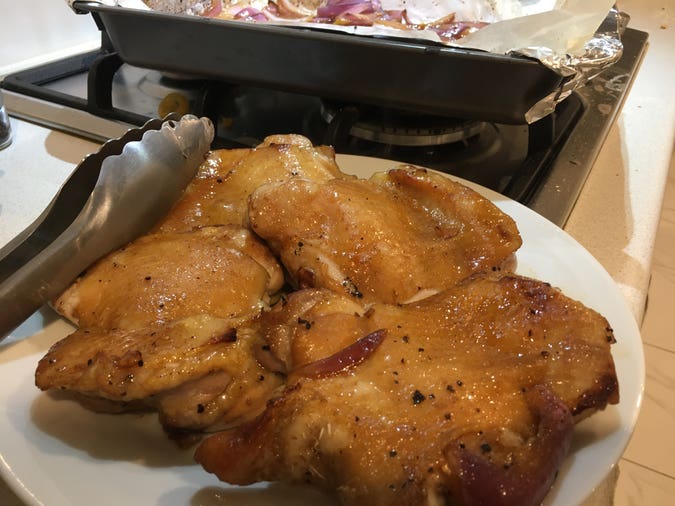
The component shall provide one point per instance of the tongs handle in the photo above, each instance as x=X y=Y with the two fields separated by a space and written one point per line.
x=42 y=279
x=33 y=266
x=136 y=180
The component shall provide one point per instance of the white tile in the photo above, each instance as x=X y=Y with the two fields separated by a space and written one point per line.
x=7 y=496
x=653 y=442
x=664 y=246
x=639 y=486
x=657 y=327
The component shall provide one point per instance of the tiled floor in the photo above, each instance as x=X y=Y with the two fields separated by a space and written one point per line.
x=647 y=470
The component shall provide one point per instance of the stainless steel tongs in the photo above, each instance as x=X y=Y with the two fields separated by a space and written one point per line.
x=112 y=197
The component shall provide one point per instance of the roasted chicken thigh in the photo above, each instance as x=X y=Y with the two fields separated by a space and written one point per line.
x=219 y=193
x=400 y=236
x=162 y=327
x=199 y=372
x=466 y=397
x=220 y=271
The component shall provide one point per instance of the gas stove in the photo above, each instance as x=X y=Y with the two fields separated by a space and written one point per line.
x=542 y=165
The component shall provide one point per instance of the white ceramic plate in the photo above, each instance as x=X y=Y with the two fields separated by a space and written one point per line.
x=54 y=452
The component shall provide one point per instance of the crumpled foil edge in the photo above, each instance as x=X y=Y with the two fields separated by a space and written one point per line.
x=600 y=52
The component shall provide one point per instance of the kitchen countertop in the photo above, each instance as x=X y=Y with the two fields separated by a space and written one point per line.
x=615 y=217
x=617 y=213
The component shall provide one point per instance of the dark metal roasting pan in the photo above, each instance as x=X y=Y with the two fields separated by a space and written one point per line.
x=408 y=75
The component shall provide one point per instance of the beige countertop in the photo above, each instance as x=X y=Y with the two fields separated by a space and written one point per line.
x=617 y=213
x=615 y=217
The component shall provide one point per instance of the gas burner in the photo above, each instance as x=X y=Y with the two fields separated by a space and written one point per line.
x=400 y=128
x=161 y=93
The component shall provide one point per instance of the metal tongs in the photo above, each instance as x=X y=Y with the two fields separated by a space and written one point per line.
x=112 y=197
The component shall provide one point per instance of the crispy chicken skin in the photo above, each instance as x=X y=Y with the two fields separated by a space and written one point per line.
x=221 y=271
x=466 y=397
x=198 y=372
x=400 y=236
x=219 y=193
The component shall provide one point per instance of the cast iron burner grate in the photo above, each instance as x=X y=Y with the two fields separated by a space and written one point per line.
x=526 y=163
x=510 y=159
x=399 y=128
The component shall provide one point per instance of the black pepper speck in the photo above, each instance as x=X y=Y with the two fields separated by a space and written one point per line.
x=418 y=397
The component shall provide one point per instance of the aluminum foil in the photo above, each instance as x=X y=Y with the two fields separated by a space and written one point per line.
x=603 y=50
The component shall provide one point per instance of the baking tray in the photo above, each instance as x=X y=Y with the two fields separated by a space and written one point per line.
x=402 y=74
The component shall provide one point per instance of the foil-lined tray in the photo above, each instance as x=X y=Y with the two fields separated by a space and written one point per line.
x=530 y=56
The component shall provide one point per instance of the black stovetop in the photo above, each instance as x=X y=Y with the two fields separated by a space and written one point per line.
x=523 y=162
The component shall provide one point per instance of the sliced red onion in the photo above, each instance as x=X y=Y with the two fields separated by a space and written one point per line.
x=250 y=14
x=355 y=19
x=344 y=359
x=215 y=10
x=285 y=9
x=336 y=8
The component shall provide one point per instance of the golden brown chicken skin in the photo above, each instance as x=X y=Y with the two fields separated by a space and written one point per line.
x=466 y=397
x=199 y=372
x=400 y=236
x=219 y=193
x=224 y=272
